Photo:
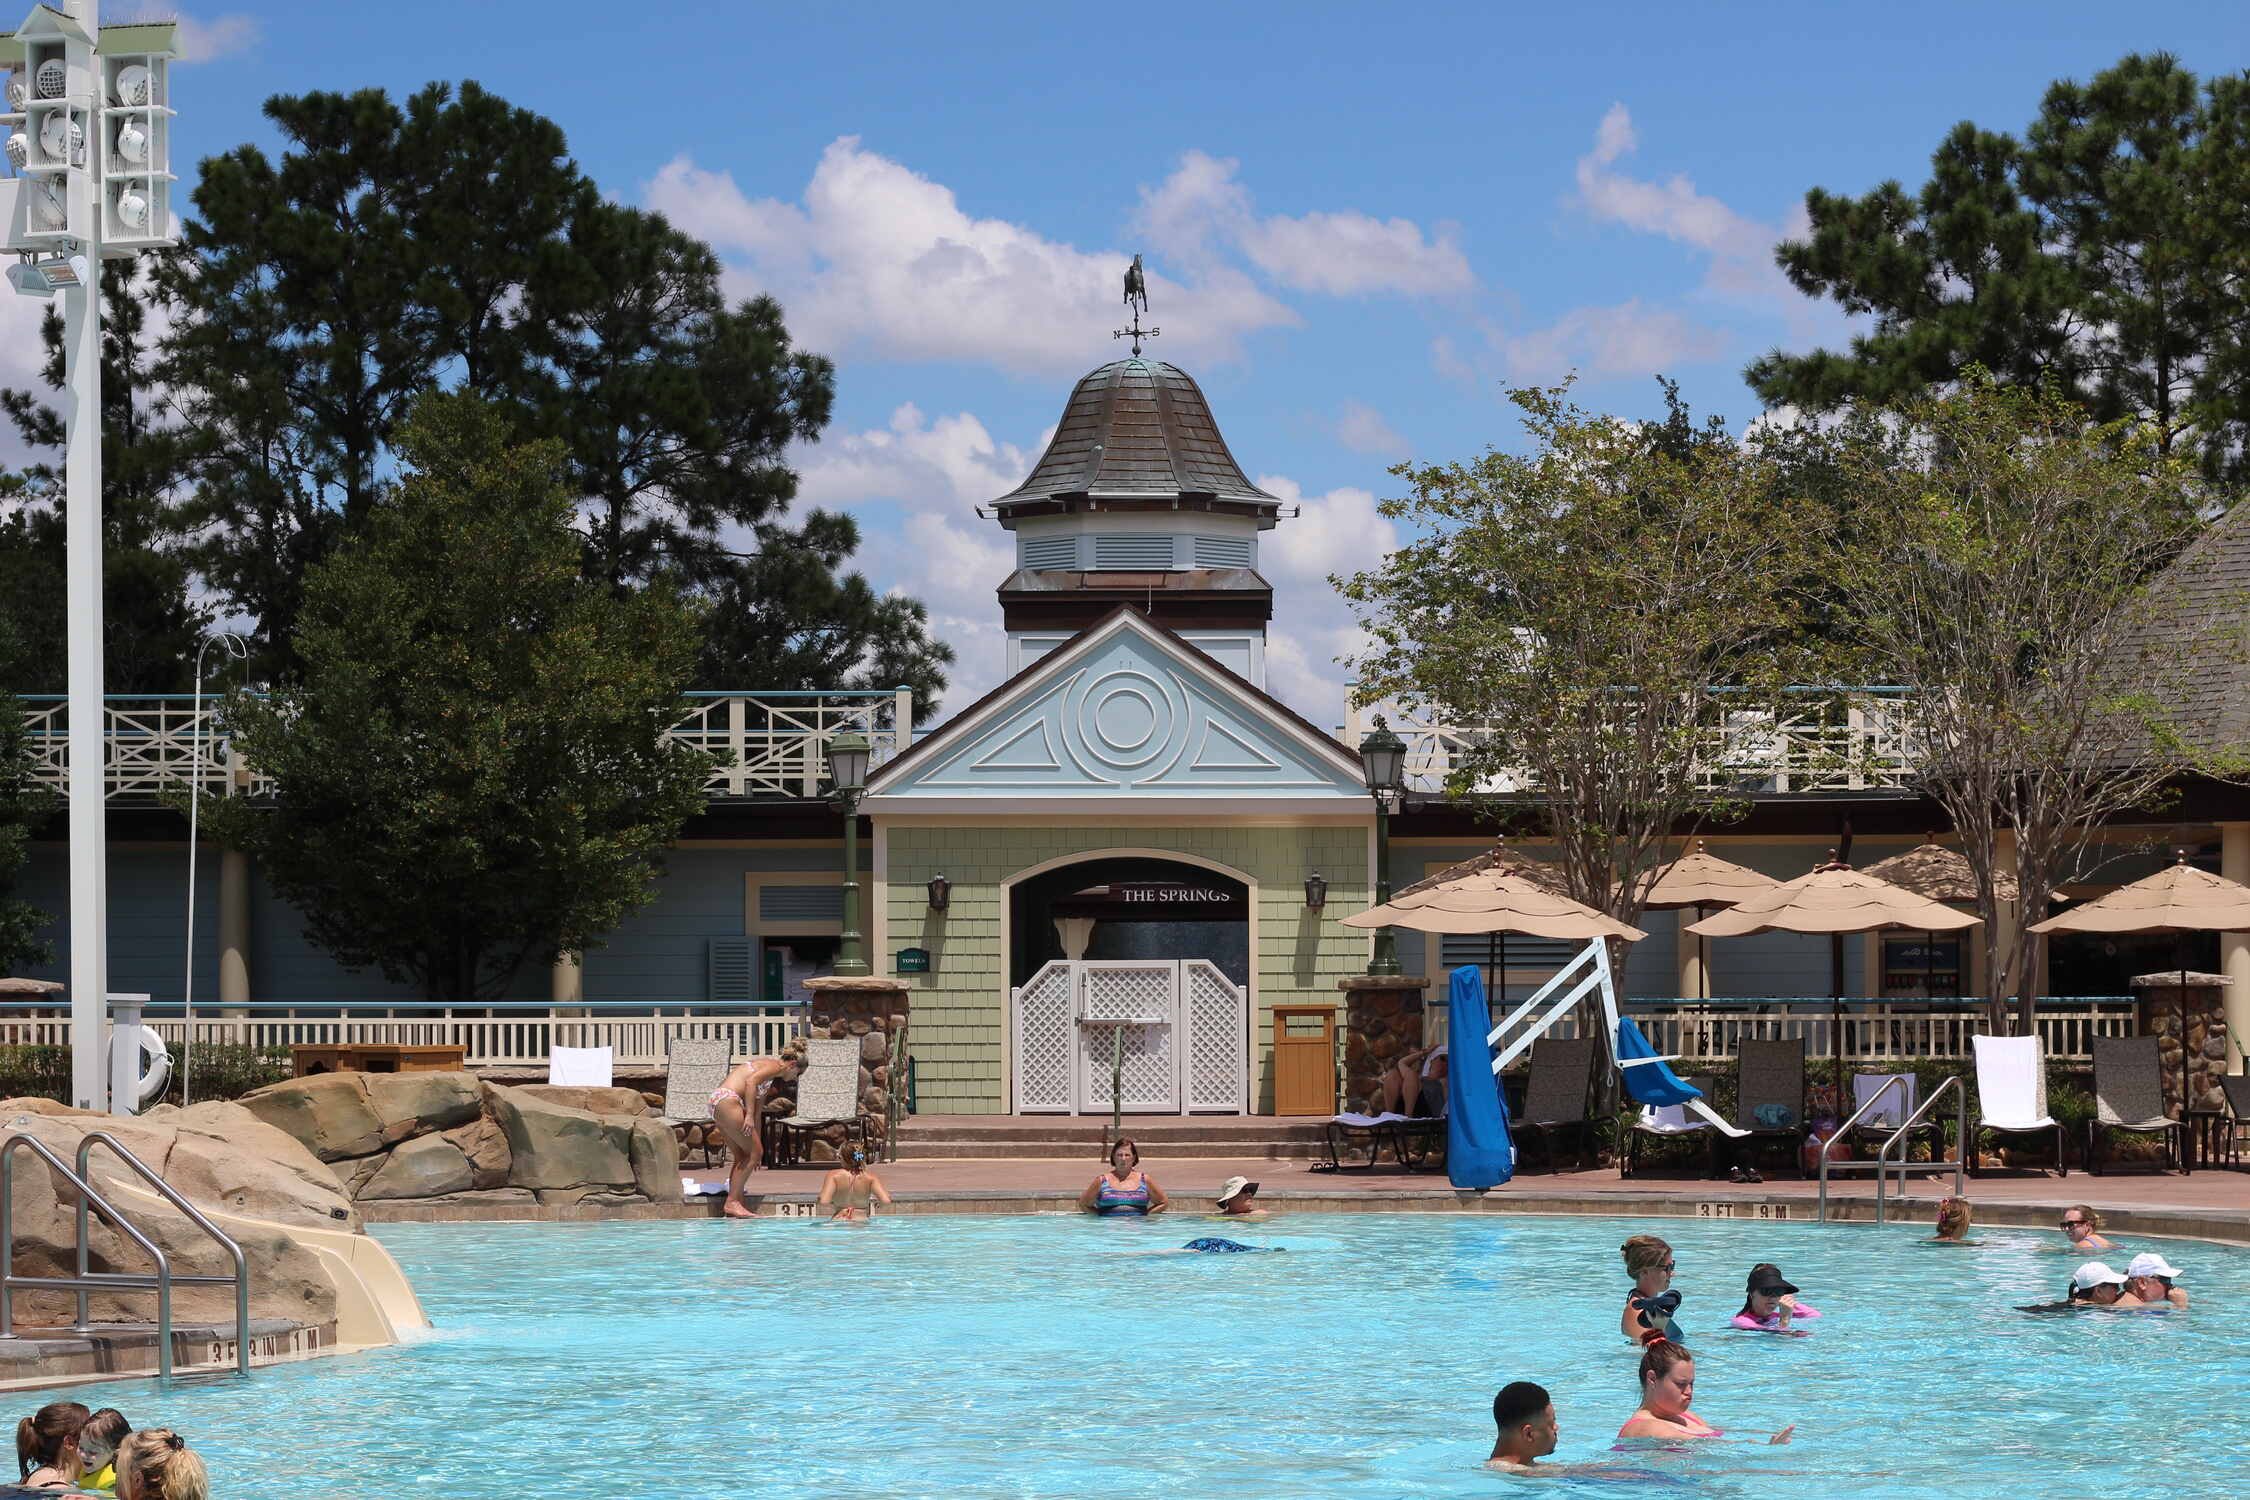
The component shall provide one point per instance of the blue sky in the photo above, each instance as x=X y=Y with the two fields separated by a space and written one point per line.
x=1362 y=222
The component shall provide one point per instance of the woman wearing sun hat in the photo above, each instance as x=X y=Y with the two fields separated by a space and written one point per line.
x=1238 y=1199
x=2149 y=1278
x=1770 y=1302
x=2094 y=1284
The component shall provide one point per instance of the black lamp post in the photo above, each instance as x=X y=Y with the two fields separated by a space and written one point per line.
x=1382 y=760
x=847 y=775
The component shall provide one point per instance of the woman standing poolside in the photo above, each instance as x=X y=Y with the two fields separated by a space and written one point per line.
x=1667 y=1388
x=1650 y=1303
x=1124 y=1189
x=734 y=1108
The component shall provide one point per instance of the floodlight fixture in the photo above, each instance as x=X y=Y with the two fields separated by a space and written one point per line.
x=133 y=84
x=44 y=278
x=53 y=77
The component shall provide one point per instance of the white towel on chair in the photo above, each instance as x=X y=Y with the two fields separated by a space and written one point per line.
x=2008 y=1079
x=580 y=1067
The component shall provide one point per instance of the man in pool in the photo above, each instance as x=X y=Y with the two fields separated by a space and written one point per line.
x=1238 y=1199
x=1525 y=1415
x=734 y=1109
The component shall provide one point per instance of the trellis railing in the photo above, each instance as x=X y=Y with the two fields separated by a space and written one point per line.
x=764 y=744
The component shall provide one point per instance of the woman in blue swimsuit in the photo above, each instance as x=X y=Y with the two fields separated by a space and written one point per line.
x=1124 y=1189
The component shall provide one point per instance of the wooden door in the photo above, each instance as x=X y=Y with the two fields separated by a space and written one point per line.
x=1304 y=1060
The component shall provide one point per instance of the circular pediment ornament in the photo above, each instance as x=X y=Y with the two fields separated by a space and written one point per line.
x=1126 y=724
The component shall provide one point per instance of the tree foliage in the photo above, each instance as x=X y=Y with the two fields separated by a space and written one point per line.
x=2105 y=255
x=1605 y=605
x=471 y=773
x=24 y=805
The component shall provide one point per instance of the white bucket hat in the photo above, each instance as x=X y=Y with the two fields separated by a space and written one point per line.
x=2149 y=1263
x=2092 y=1274
x=1235 y=1185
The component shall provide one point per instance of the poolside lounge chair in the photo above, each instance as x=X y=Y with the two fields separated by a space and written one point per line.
x=2012 y=1092
x=2229 y=1143
x=827 y=1094
x=1665 y=1121
x=580 y=1067
x=694 y=1067
x=1770 y=1094
x=2129 y=1095
x=1410 y=1137
x=1555 y=1096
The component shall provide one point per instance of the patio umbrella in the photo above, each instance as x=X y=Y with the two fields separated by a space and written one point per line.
x=29 y=987
x=2181 y=900
x=1499 y=857
x=1940 y=873
x=1701 y=879
x=1835 y=899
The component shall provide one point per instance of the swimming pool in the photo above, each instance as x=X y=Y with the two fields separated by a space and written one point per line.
x=1053 y=1356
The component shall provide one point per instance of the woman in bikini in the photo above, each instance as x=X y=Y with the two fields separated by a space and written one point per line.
x=734 y=1108
x=852 y=1191
x=1650 y=1303
x=1124 y=1189
x=1667 y=1386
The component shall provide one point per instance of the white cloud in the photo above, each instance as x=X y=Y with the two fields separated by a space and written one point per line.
x=1339 y=532
x=914 y=461
x=879 y=261
x=208 y=41
x=1340 y=254
x=1361 y=428
x=1607 y=342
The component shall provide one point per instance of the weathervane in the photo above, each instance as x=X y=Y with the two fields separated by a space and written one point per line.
x=1136 y=298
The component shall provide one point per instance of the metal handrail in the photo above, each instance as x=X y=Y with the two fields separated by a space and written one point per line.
x=1960 y=1135
x=1896 y=1081
x=194 y=1215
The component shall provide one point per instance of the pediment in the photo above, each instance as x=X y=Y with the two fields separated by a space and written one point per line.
x=1124 y=710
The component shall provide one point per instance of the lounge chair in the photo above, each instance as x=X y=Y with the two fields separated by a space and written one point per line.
x=1668 y=1121
x=580 y=1067
x=1408 y=1136
x=1770 y=1094
x=2229 y=1143
x=1555 y=1097
x=2012 y=1092
x=694 y=1067
x=2129 y=1096
x=827 y=1094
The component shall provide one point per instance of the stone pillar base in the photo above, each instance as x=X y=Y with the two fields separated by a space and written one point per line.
x=873 y=1009
x=2205 y=1042
x=1382 y=1022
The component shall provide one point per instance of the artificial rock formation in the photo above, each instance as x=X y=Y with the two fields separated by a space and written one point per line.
x=419 y=1136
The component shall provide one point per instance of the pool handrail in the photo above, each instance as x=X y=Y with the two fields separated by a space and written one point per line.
x=83 y=1283
x=194 y=1215
x=1844 y=1131
x=1960 y=1135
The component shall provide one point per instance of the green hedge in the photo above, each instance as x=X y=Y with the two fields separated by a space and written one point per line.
x=223 y=1070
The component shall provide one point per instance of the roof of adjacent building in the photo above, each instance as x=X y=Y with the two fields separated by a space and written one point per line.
x=1137 y=430
x=2200 y=609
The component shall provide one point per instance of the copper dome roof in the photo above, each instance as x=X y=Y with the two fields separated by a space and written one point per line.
x=1137 y=430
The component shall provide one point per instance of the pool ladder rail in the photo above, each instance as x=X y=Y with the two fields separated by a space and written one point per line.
x=87 y=1281
x=1882 y=1165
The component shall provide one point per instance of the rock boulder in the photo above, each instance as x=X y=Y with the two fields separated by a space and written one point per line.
x=594 y=1101
x=330 y=1112
x=552 y=1146
x=424 y=1167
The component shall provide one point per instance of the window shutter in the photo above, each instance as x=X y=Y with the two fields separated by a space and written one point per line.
x=801 y=903
x=1222 y=552
x=1458 y=948
x=731 y=972
x=1133 y=552
x=1050 y=552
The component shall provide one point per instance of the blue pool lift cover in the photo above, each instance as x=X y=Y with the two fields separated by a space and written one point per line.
x=1479 y=1152
x=1651 y=1083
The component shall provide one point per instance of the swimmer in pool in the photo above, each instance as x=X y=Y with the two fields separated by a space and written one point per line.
x=1525 y=1415
x=1667 y=1388
x=852 y=1190
x=1952 y=1223
x=2096 y=1285
x=734 y=1108
x=1124 y=1190
x=1211 y=1244
x=2083 y=1227
x=1770 y=1303
x=1238 y=1199
x=2150 y=1278
x=1650 y=1304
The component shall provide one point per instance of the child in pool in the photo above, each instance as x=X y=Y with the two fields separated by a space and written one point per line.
x=1770 y=1302
x=1952 y=1223
x=97 y=1450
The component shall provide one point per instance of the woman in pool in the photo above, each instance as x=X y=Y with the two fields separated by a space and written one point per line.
x=157 y=1464
x=1667 y=1386
x=2083 y=1227
x=47 y=1445
x=1770 y=1303
x=734 y=1108
x=1952 y=1222
x=852 y=1191
x=97 y=1450
x=1124 y=1189
x=2096 y=1285
x=1651 y=1302
x=1238 y=1199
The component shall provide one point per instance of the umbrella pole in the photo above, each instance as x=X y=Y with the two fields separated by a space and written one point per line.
x=1836 y=1007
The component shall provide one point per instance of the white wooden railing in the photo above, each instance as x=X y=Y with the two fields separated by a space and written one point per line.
x=1833 y=739
x=765 y=744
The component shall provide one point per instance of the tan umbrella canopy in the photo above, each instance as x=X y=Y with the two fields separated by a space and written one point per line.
x=29 y=987
x=1496 y=894
x=1939 y=872
x=1701 y=879
x=1835 y=899
x=2181 y=899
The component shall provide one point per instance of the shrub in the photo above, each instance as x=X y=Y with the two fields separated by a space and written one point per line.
x=223 y=1070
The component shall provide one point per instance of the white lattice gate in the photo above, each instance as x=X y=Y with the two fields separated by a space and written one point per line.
x=1180 y=1026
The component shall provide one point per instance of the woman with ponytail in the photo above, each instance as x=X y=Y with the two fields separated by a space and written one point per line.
x=1667 y=1388
x=47 y=1445
x=157 y=1464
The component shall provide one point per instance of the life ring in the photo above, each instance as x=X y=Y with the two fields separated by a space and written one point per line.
x=155 y=1068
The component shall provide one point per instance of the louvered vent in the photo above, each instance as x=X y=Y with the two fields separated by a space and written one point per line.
x=731 y=971
x=1458 y=948
x=1054 y=552
x=1222 y=552
x=1134 y=552
x=800 y=903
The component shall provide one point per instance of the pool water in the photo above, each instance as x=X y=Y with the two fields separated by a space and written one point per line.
x=1056 y=1356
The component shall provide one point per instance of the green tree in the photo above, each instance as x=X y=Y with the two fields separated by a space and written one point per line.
x=471 y=773
x=1599 y=610
x=150 y=620
x=2104 y=255
x=2001 y=570
x=24 y=805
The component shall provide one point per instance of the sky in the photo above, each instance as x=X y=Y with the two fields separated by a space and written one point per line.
x=1362 y=223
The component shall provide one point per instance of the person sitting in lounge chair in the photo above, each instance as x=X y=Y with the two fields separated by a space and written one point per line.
x=852 y=1191
x=734 y=1109
x=1415 y=1085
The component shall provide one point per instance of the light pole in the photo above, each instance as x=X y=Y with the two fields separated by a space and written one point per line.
x=1382 y=763
x=847 y=774
x=235 y=646
x=89 y=130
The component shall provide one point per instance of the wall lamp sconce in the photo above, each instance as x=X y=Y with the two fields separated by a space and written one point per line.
x=941 y=893
x=1316 y=891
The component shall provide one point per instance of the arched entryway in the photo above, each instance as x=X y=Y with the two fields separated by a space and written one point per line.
x=1134 y=969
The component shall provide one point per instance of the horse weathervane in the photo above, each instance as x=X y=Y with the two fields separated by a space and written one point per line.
x=1136 y=298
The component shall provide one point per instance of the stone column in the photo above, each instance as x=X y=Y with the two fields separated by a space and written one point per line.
x=2204 y=1040
x=2234 y=947
x=1382 y=1021
x=873 y=1009
x=234 y=932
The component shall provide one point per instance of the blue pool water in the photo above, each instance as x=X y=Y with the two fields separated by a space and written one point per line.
x=1053 y=1356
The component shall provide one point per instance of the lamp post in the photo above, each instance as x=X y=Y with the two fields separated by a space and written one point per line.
x=1382 y=762
x=235 y=646
x=847 y=775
